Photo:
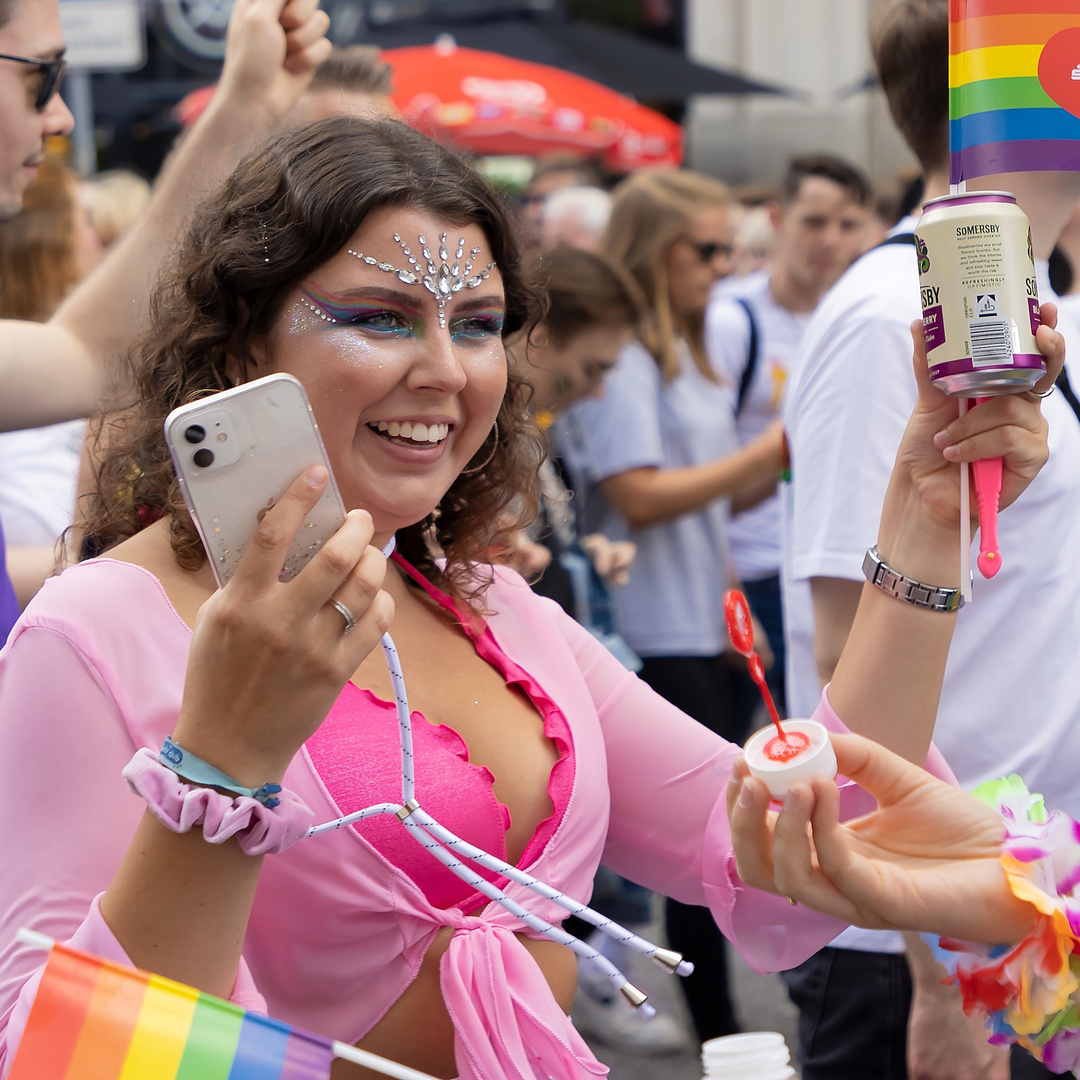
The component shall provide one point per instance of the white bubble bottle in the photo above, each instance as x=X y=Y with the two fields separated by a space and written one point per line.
x=762 y=1055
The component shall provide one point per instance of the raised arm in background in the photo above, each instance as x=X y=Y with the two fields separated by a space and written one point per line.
x=60 y=370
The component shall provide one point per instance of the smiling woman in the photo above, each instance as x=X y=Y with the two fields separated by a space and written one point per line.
x=270 y=279
x=383 y=273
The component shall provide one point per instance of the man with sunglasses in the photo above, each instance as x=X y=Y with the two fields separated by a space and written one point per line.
x=31 y=67
x=60 y=370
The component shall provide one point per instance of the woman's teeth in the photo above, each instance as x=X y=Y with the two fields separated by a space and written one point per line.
x=418 y=432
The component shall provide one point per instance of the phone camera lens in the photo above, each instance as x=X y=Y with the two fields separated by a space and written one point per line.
x=204 y=458
x=195 y=434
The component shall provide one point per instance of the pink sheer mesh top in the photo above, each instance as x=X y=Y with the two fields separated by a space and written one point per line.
x=363 y=728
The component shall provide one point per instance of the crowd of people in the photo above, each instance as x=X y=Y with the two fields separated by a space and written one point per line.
x=657 y=389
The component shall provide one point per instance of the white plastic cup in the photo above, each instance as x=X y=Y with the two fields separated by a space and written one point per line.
x=748 y=1072
x=818 y=759
x=762 y=1055
x=745 y=1042
x=764 y=1058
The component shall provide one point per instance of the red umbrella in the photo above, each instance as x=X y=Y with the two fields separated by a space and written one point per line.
x=492 y=104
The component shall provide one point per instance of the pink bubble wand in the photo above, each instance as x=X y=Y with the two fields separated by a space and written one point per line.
x=740 y=628
x=987 y=476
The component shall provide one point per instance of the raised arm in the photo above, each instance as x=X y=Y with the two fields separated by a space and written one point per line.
x=888 y=680
x=60 y=370
x=890 y=674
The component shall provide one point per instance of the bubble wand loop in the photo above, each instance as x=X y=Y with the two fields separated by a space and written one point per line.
x=740 y=628
x=787 y=744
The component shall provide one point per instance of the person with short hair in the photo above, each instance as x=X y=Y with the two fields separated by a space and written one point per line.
x=551 y=173
x=753 y=327
x=849 y=396
x=577 y=216
x=351 y=81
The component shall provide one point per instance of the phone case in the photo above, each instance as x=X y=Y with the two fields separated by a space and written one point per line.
x=235 y=454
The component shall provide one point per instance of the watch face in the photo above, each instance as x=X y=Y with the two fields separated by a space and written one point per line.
x=198 y=25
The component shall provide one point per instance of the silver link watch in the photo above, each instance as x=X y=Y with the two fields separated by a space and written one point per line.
x=903 y=588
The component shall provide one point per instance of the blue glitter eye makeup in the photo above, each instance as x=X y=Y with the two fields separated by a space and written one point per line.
x=482 y=323
x=477 y=324
x=376 y=317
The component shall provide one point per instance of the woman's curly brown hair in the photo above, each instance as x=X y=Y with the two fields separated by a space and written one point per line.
x=284 y=212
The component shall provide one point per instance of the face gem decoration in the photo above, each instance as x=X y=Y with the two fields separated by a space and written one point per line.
x=318 y=311
x=442 y=280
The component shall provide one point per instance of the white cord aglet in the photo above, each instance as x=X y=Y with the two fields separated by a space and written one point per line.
x=636 y=997
x=672 y=961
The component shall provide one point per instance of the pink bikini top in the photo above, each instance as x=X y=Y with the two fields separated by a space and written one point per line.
x=357 y=756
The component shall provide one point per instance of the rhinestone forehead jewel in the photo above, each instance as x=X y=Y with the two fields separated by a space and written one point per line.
x=441 y=279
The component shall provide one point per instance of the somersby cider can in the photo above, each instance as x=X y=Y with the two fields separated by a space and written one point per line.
x=980 y=300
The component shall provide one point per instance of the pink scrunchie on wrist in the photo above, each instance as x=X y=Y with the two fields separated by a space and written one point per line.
x=180 y=806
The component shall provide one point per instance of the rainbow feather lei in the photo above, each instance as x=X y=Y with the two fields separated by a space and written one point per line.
x=1026 y=989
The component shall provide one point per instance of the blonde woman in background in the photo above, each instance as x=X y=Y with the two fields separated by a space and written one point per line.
x=656 y=460
x=114 y=200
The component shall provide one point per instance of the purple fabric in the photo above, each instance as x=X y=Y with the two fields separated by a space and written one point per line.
x=9 y=606
x=1023 y=155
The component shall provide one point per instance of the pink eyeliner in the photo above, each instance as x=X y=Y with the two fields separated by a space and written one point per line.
x=345 y=311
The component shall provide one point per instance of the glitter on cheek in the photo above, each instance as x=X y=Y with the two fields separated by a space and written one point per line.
x=486 y=359
x=357 y=350
x=299 y=320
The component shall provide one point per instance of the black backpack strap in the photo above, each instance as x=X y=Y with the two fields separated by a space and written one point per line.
x=899 y=238
x=752 y=355
x=1067 y=392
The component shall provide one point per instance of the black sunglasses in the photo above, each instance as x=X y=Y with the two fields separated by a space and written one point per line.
x=53 y=71
x=708 y=250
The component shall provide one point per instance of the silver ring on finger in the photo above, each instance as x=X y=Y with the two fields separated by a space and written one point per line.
x=346 y=614
x=1046 y=393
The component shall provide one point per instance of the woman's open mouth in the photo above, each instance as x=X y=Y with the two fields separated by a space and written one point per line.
x=410 y=433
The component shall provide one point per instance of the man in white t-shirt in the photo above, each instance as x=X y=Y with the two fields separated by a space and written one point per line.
x=1011 y=700
x=753 y=326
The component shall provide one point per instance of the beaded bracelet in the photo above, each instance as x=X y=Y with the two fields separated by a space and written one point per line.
x=1025 y=990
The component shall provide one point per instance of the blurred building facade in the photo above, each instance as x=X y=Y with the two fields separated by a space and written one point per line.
x=819 y=47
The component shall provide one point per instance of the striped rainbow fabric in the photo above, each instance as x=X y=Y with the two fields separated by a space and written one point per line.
x=96 y=1020
x=1014 y=86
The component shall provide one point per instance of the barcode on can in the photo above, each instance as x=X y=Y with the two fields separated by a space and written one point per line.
x=991 y=342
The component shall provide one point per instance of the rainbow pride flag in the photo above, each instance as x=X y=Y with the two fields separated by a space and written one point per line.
x=1014 y=86
x=96 y=1020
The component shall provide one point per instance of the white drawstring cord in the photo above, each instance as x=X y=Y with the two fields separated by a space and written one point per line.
x=433 y=836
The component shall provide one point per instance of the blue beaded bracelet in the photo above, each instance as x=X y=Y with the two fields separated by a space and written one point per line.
x=194 y=769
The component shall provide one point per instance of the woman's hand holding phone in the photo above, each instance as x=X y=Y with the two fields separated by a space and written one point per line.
x=268 y=658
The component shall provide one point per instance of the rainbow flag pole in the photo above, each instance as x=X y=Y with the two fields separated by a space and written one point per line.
x=96 y=1020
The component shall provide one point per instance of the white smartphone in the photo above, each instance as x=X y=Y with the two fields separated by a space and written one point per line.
x=235 y=455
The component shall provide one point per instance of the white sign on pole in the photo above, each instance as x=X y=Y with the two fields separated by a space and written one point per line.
x=104 y=35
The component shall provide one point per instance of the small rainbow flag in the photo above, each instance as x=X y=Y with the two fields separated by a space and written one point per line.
x=96 y=1020
x=1014 y=86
